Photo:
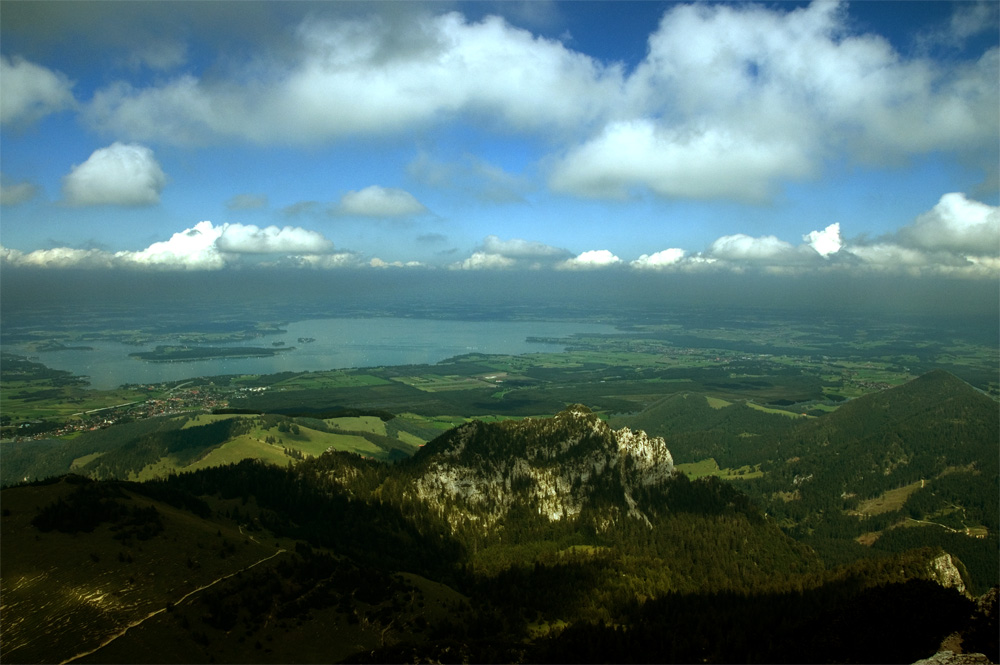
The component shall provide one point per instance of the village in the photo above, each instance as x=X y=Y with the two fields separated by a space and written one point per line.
x=164 y=400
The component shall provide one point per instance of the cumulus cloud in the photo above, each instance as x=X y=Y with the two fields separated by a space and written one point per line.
x=191 y=249
x=825 y=242
x=957 y=224
x=660 y=260
x=326 y=261
x=204 y=246
x=247 y=202
x=518 y=248
x=699 y=164
x=741 y=247
x=498 y=254
x=371 y=76
x=60 y=257
x=484 y=261
x=591 y=260
x=957 y=237
x=248 y=239
x=375 y=201
x=12 y=193
x=379 y=263
x=733 y=100
x=808 y=75
x=31 y=91
x=125 y=174
x=730 y=101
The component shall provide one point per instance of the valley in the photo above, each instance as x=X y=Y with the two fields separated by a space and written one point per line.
x=583 y=504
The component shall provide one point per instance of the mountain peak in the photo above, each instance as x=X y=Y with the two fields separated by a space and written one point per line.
x=555 y=467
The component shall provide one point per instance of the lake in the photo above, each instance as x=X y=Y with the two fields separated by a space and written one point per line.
x=339 y=344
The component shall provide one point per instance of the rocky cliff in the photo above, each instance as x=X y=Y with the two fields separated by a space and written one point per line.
x=555 y=467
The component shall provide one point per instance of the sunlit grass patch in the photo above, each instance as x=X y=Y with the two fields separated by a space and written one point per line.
x=780 y=412
x=206 y=418
x=887 y=502
x=83 y=461
x=709 y=467
x=372 y=424
x=331 y=379
x=717 y=403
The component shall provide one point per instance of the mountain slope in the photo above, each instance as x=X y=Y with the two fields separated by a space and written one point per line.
x=889 y=439
x=541 y=532
x=555 y=467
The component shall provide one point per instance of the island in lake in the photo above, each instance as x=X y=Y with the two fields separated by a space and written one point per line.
x=167 y=354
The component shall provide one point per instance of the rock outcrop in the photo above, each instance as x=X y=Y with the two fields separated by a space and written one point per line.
x=944 y=571
x=952 y=658
x=555 y=467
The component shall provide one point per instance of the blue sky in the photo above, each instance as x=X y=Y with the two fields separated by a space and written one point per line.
x=775 y=137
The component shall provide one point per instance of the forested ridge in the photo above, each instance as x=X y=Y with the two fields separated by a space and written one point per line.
x=640 y=566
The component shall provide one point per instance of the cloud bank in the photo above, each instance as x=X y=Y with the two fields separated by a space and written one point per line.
x=958 y=237
x=498 y=254
x=204 y=246
x=729 y=102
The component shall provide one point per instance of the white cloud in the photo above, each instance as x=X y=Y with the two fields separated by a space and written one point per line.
x=371 y=76
x=825 y=242
x=375 y=201
x=484 y=261
x=593 y=259
x=31 y=91
x=956 y=224
x=379 y=263
x=658 y=261
x=248 y=239
x=124 y=174
x=497 y=254
x=60 y=257
x=518 y=248
x=12 y=193
x=205 y=246
x=741 y=247
x=700 y=164
x=807 y=75
x=958 y=237
x=327 y=261
x=191 y=249
x=731 y=100
x=247 y=202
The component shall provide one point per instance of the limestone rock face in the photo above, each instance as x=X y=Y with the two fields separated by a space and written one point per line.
x=556 y=467
x=952 y=658
x=944 y=570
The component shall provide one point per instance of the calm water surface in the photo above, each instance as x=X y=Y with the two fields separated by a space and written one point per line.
x=340 y=343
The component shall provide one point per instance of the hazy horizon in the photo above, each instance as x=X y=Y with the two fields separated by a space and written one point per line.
x=27 y=290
